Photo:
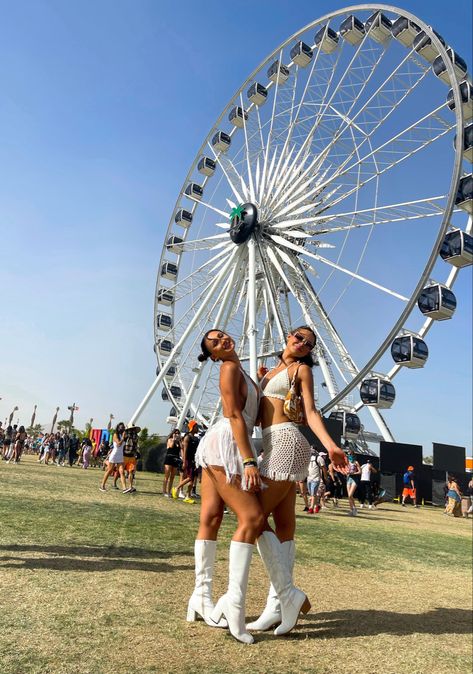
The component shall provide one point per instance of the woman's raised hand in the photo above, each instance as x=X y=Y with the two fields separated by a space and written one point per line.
x=261 y=371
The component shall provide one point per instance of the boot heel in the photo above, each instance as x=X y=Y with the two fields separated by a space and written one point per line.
x=306 y=606
x=219 y=611
x=191 y=614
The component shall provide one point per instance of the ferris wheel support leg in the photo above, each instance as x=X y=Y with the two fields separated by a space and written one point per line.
x=230 y=289
x=252 y=330
x=328 y=376
x=381 y=424
x=183 y=338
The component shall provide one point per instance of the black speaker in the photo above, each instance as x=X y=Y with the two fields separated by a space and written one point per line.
x=395 y=457
x=449 y=458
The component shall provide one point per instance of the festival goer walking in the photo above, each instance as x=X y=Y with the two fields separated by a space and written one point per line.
x=189 y=449
x=61 y=449
x=19 y=444
x=470 y=496
x=172 y=461
x=366 y=491
x=230 y=476
x=73 y=447
x=316 y=464
x=334 y=487
x=454 y=498
x=115 y=459
x=286 y=460
x=7 y=441
x=409 y=490
x=131 y=456
x=86 y=452
x=353 y=481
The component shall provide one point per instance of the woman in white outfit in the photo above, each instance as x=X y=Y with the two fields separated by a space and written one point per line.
x=230 y=476
x=286 y=461
x=115 y=458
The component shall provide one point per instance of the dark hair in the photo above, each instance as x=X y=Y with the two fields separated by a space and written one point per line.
x=205 y=355
x=172 y=433
x=308 y=358
x=21 y=429
x=121 y=431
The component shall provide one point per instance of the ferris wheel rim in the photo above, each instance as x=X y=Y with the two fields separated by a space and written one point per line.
x=451 y=195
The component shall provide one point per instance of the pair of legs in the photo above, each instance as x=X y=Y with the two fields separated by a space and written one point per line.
x=409 y=493
x=313 y=487
x=303 y=491
x=130 y=469
x=187 y=480
x=215 y=494
x=169 y=475
x=366 y=492
x=351 y=491
x=110 y=469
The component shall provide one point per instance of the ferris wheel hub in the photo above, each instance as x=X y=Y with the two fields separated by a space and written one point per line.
x=244 y=222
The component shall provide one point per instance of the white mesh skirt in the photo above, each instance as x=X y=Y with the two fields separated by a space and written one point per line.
x=218 y=448
x=286 y=453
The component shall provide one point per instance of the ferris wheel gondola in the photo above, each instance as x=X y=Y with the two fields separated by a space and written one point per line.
x=311 y=200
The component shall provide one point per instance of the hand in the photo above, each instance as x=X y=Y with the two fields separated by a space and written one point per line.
x=261 y=371
x=252 y=478
x=339 y=460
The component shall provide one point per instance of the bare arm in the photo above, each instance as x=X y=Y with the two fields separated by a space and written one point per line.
x=315 y=421
x=185 y=445
x=229 y=386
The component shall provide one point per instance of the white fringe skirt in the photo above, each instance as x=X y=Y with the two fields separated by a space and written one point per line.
x=286 y=453
x=218 y=448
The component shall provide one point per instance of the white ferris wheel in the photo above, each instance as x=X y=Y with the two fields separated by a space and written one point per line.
x=334 y=191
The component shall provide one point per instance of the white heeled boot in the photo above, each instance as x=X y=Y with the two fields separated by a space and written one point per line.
x=232 y=604
x=293 y=601
x=200 y=603
x=271 y=615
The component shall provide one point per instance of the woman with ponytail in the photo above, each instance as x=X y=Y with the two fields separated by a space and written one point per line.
x=230 y=476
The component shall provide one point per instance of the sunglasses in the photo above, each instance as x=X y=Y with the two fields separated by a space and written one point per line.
x=303 y=340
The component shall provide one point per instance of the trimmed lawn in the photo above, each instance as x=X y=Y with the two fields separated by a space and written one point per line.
x=97 y=583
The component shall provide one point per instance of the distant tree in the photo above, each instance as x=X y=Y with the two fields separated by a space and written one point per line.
x=35 y=430
x=151 y=448
x=65 y=425
x=429 y=460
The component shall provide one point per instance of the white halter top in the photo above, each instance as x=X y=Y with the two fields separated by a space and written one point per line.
x=277 y=387
x=250 y=411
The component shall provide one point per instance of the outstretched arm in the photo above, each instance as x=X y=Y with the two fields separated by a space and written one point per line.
x=229 y=386
x=315 y=421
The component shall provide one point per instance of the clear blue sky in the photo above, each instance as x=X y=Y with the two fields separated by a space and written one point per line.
x=103 y=106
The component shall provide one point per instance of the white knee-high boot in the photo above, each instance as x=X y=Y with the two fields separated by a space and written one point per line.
x=293 y=601
x=201 y=602
x=232 y=604
x=271 y=615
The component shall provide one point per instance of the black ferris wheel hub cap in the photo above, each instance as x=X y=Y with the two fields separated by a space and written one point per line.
x=243 y=222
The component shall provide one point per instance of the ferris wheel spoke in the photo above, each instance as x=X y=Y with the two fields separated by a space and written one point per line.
x=196 y=275
x=400 y=147
x=270 y=132
x=202 y=244
x=203 y=203
x=248 y=163
x=384 y=101
x=407 y=210
x=299 y=249
x=222 y=163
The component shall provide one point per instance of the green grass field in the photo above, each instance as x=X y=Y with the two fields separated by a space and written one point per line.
x=94 y=583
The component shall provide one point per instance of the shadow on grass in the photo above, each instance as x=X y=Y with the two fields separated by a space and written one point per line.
x=77 y=558
x=361 y=623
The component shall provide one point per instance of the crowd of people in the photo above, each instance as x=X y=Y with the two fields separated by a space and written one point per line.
x=67 y=449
